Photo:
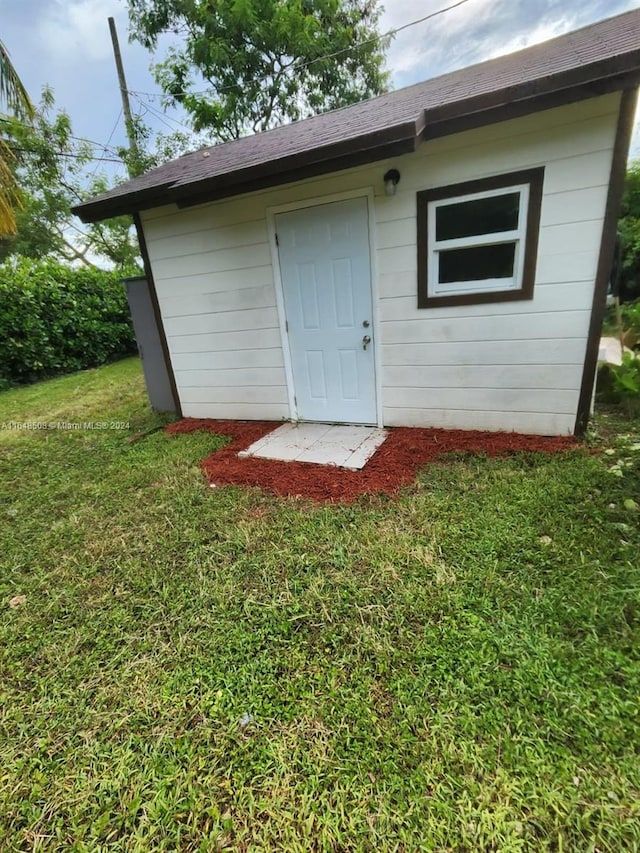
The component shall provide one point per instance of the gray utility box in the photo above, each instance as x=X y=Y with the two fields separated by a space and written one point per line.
x=145 y=327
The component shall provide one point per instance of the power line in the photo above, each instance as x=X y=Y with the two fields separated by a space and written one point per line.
x=163 y=118
x=391 y=32
x=97 y=144
x=69 y=154
x=71 y=136
x=296 y=65
x=113 y=130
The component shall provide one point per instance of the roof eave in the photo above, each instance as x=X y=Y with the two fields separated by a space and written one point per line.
x=391 y=141
x=104 y=208
x=598 y=78
x=301 y=167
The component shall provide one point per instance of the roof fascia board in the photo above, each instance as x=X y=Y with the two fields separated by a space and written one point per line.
x=391 y=141
x=509 y=109
x=396 y=134
x=94 y=211
x=306 y=170
x=594 y=72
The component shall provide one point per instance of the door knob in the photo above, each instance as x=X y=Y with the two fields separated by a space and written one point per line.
x=365 y=323
x=366 y=340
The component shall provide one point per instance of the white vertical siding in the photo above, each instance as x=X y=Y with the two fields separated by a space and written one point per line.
x=512 y=366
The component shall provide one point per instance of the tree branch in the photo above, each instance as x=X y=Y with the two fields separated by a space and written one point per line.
x=75 y=254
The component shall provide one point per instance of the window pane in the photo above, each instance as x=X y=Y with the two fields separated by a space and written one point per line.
x=479 y=216
x=477 y=263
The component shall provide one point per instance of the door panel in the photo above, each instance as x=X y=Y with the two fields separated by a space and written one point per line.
x=326 y=282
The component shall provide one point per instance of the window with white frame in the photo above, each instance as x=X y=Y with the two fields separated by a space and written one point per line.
x=477 y=241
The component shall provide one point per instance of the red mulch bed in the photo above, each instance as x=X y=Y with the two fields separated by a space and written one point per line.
x=393 y=466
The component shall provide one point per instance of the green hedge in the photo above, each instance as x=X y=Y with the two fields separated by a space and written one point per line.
x=54 y=319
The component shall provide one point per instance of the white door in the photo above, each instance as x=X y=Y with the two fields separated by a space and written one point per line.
x=326 y=281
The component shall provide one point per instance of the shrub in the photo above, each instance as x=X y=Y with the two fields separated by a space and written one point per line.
x=631 y=317
x=620 y=383
x=55 y=319
x=626 y=382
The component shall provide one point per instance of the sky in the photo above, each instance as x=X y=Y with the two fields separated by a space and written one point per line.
x=66 y=45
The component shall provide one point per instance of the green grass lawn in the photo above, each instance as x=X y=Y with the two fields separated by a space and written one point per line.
x=455 y=669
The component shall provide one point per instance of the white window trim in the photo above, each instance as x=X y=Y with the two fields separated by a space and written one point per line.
x=518 y=236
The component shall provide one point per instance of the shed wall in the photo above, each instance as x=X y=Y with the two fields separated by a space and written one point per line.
x=512 y=365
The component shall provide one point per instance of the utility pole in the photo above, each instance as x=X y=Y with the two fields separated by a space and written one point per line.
x=126 y=107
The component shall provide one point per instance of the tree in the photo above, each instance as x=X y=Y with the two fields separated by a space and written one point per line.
x=153 y=150
x=629 y=236
x=14 y=97
x=55 y=171
x=266 y=62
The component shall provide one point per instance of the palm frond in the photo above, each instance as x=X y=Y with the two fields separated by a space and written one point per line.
x=13 y=94
x=10 y=199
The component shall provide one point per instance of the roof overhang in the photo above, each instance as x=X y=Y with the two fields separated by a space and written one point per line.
x=400 y=139
x=597 y=78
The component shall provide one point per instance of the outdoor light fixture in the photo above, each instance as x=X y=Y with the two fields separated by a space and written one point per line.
x=391 y=179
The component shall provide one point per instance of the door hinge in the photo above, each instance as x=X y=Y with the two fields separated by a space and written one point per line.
x=277 y=241
x=286 y=325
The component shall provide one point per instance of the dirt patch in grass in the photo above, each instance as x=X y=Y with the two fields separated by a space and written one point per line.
x=393 y=466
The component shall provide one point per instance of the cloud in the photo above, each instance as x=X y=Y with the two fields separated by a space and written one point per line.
x=413 y=49
x=480 y=30
x=542 y=31
x=78 y=30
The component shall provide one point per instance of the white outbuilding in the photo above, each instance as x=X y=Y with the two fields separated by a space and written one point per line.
x=436 y=256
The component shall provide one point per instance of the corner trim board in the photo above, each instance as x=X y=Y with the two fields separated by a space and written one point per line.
x=624 y=129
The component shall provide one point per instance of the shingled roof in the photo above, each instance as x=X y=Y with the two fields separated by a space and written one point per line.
x=600 y=58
